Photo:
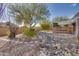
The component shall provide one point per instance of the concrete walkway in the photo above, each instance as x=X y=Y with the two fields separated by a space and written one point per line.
x=4 y=40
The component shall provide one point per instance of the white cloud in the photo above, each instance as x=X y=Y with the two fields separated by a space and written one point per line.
x=74 y=4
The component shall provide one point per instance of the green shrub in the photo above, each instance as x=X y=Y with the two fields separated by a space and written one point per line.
x=29 y=32
x=45 y=26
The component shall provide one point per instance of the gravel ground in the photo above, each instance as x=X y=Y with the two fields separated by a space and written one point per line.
x=58 y=45
x=46 y=44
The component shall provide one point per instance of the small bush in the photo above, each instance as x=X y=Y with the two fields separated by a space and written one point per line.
x=46 y=25
x=30 y=32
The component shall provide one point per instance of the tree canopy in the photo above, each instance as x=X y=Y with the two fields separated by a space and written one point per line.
x=60 y=18
x=28 y=13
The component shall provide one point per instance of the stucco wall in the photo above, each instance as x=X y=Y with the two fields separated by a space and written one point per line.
x=5 y=31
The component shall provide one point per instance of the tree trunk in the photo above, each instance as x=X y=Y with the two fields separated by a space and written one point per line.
x=13 y=30
x=12 y=35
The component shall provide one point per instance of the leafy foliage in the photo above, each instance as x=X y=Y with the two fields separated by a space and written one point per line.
x=28 y=13
x=46 y=25
x=30 y=32
x=60 y=18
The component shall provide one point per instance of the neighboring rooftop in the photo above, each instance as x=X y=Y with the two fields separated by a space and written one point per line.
x=76 y=15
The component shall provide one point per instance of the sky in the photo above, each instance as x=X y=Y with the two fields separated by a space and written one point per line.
x=62 y=9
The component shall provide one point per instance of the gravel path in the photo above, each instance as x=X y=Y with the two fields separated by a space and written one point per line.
x=45 y=45
x=59 y=45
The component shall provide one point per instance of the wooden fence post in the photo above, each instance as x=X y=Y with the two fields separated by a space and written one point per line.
x=77 y=28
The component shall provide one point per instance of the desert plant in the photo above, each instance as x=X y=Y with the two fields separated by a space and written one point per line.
x=46 y=25
x=30 y=32
x=30 y=14
x=60 y=18
x=13 y=29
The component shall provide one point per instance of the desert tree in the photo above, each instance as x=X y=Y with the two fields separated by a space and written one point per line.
x=60 y=18
x=12 y=26
x=30 y=14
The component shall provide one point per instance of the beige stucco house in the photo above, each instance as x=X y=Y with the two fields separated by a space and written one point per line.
x=70 y=27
